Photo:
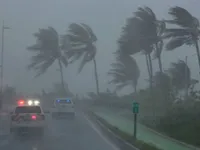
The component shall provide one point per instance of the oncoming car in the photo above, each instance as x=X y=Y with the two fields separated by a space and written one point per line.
x=63 y=107
x=28 y=116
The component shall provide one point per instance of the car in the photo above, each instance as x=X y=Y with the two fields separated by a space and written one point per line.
x=63 y=107
x=28 y=118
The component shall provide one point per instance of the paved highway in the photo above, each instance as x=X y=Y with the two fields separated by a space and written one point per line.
x=78 y=134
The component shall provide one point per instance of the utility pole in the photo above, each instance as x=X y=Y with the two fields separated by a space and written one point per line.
x=2 y=67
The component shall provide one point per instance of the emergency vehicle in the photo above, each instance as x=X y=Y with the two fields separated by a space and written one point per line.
x=63 y=107
x=28 y=116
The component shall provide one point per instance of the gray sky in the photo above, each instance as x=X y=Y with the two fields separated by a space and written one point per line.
x=106 y=17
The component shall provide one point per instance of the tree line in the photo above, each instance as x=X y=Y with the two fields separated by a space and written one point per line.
x=143 y=33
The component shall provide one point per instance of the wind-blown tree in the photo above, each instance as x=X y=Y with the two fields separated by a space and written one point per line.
x=142 y=33
x=125 y=72
x=180 y=76
x=187 y=31
x=154 y=30
x=130 y=43
x=82 y=41
x=47 y=51
x=163 y=88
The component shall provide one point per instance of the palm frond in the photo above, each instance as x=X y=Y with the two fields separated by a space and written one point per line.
x=77 y=33
x=182 y=17
x=41 y=67
x=177 y=32
x=176 y=42
x=47 y=49
x=82 y=41
x=124 y=71
x=91 y=33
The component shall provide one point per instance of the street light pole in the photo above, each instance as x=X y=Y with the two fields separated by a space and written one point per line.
x=2 y=52
x=2 y=56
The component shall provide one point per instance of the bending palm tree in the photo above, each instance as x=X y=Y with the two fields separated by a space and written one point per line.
x=152 y=31
x=180 y=76
x=133 y=40
x=124 y=72
x=48 y=50
x=187 y=33
x=82 y=41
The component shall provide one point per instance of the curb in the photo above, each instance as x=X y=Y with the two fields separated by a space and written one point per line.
x=172 y=139
x=132 y=147
x=169 y=138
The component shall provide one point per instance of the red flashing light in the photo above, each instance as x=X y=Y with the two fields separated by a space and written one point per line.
x=33 y=117
x=21 y=102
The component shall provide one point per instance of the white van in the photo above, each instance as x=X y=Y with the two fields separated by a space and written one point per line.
x=63 y=107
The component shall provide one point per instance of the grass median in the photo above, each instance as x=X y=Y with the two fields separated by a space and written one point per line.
x=128 y=138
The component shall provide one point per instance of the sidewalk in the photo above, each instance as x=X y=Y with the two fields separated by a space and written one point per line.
x=143 y=133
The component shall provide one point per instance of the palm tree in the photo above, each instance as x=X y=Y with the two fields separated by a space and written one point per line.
x=142 y=33
x=152 y=31
x=47 y=50
x=180 y=76
x=187 y=31
x=125 y=71
x=82 y=42
x=130 y=42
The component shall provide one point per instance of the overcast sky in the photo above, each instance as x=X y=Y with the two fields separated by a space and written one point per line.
x=106 y=17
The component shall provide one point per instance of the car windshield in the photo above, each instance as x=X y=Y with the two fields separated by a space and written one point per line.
x=28 y=109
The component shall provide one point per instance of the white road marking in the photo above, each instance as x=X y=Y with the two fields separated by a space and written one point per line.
x=101 y=135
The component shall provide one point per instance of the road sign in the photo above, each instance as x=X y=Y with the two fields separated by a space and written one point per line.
x=135 y=107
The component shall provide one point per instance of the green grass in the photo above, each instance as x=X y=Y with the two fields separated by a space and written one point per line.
x=137 y=143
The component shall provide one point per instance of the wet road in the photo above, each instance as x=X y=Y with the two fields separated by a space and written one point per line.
x=63 y=134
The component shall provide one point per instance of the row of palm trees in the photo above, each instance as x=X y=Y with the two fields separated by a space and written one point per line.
x=78 y=43
x=143 y=32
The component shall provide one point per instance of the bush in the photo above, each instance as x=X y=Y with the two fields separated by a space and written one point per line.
x=182 y=122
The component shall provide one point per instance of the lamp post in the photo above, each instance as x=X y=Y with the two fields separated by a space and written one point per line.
x=2 y=58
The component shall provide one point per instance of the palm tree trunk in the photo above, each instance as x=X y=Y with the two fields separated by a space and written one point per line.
x=150 y=70
x=159 y=59
x=160 y=64
x=147 y=62
x=96 y=76
x=61 y=75
x=198 y=53
x=135 y=88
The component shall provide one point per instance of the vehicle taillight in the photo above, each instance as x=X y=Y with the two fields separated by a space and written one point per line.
x=33 y=117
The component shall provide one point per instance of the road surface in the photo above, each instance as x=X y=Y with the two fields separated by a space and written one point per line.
x=78 y=134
